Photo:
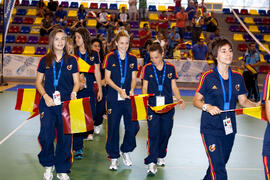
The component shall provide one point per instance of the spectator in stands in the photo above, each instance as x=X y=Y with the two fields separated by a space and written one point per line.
x=162 y=41
x=251 y=58
x=105 y=45
x=46 y=26
x=72 y=29
x=52 y=5
x=203 y=8
x=177 y=6
x=197 y=23
x=144 y=35
x=123 y=17
x=190 y=10
x=133 y=9
x=102 y=20
x=82 y=16
x=174 y=39
x=113 y=23
x=142 y=9
x=163 y=24
x=211 y=23
x=200 y=50
x=131 y=34
x=58 y=23
x=145 y=55
x=41 y=8
x=62 y=14
x=181 y=18
x=47 y=11
x=214 y=35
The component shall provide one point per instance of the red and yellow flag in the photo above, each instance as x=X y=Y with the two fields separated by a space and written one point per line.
x=84 y=66
x=256 y=112
x=164 y=108
x=139 y=105
x=251 y=69
x=77 y=116
x=28 y=100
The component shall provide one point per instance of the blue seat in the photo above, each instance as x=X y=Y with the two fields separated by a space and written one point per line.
x=21 y=12
x=152 y=8
x=7 y=49
x=102 y=31
x=236 y=11
x=234 y=28
x=248 y=38
x=262 y=12
x=236 y=20
x=74 y=5
x=34 y=3
x=268 y=12
x=113 y=7
x=267 y=57
x=258 y=21
x=259 y=37
x=226 y=11
x=263 y=29
x=25 y=30
x=10 y=39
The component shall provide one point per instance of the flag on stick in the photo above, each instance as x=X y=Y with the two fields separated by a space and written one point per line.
x=28 y=100
x=164 y=108
x=256 y=112
x=77 y=116
x=84 y=66
x=139 y=106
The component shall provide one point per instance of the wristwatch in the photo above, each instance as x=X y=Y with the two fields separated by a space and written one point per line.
x=204 y=107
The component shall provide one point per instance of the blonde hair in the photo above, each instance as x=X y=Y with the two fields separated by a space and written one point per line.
x=121 y=33
x=71 y=42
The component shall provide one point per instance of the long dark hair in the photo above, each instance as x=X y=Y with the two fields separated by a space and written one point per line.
x=51 y=54
x=101 y=52
x=216 y=44
x=86 y=41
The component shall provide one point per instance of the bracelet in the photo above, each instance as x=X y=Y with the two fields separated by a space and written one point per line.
x=75 y=93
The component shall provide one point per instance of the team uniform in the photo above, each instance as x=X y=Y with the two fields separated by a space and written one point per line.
x=266 y=140
x=159 y=125
x=218 y=132
x=51 y=117
x=117 y=107
x=88 y=91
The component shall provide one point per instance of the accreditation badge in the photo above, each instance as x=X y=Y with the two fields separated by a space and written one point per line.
x=57 y=98
x=228 y=126
x=119 y=97
x=160 y=100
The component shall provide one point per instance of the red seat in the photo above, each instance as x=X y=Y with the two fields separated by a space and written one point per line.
x=43 y=40
x=172 y=17
x=94 y=6
x=230 y=20
x=17 y=50
x=242 y=47
x=21 y=39
x=264 y=69
x=266 y=21
x=171 y=8
x=153 y=25
x=13 y=29
x=241 y=29
x=28 y=20
x=244 y=12
x=135 y=43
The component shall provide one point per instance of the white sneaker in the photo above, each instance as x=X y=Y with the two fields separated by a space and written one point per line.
x=152 y=169
x=126 y=158
x=62 y=176
x=90 y=137
x=160 y=161
x=48 y=174
x=114 y=164
x=97 y=129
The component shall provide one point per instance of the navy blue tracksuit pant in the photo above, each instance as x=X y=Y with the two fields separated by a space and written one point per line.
x=115 y=111
x=159 y=131
x=218 y=150
x=51 y=128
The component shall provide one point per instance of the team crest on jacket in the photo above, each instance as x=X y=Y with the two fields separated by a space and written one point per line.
x=170 y=75
x=92 y=58
x=69 y=67
x=237 y=87
x=214 y=87
x=41 y=115
x=113 y=65
x=109 y=111
x=150 y=117
x=131 y=66
x=151 y=76
x=212 y=147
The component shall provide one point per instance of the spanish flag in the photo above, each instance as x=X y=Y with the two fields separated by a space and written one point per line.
x=251 y=69
x=164 y=108
x=28 y=100
x=139 y=105
x=77 y=116
x=84 y=66
x=256 y=112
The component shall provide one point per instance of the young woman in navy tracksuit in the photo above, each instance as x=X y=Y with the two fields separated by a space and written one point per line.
x=61 y=84
x=220 y=89
x=120 y=74
x=266 y=140
x=159 y=78
x=83 y=50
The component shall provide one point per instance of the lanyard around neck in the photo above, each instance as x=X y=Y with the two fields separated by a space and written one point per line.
x=160 y=86
x=123 y=75
x=56 y=80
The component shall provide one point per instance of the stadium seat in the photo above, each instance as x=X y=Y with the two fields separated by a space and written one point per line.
x=258 y=21
x=43 y=40
x=153 y=17
x=29 y=50
x=28 y=20
x=14 y=11
x=25 y=3
x=136 y=52
x=92 y=23
x=10 y=39
x=34 y=3
x=17 y=2
x=135 y=33
x=135 y=43
x=236 y=20
x=134 y=24
x=25 y=30
x=154 y=25
x=171 y=8
x=234 y=28
x=35 y=30
x=265 y=45
x=74 y=5
x=21 y=12
x=142 y=23
x=242 y=47
x=72 y=13
x=253 y=29
x=7 y=49
x=264 y=68
x=238 y=37
x=230 y=20
x=162 y=8
x=152 y=8
x=173 y=24
x=103 y=5
x=262 y=12
x=226 y=11
x=85 y=5
x=172 y=17
x=41 y=51
x=236 y=11
x=267 y=57
x=13 y=29
x=92 y=32
x=259 y=37
x=102 y=31
x=17 y=50
x=94 y=6
x=21 y=39
x=32 y=40
x=249 y=20
x=64 y=4
x=266 y=21
x=263 y=29
x=17 y=20
x=31 y=12
x=248 y=38
x=244 y=12
x=113 y=7
x=38 y=20
x=253 y=12
x=122 y=5
x=266 y=38
x=268 y=12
